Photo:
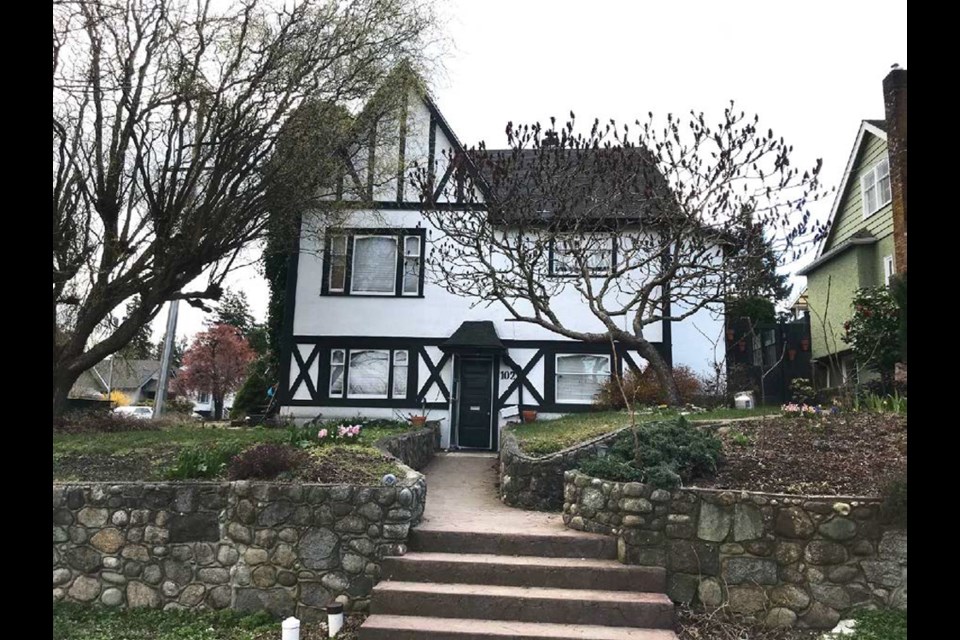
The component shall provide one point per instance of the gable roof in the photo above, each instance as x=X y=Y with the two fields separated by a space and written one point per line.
x=866 y=126
x=128 y=374
x=514 y=201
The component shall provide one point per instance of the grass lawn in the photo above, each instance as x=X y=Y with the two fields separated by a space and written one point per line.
x=85 y=622
x=148 y=455
x=547 y=436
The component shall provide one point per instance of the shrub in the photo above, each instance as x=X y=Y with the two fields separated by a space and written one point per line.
x=253 y=393
x=881 y=624
x=644 y=389
x=873 y=332
x=202 y=462
x=610 y=468
x=105 y=422
x=265 y=462
x=661 y=453
x=893 y=509
x=801 y=391
x=119 y=399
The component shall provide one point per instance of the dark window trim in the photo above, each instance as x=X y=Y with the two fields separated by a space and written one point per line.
x=595 y=274
x=326 y=367
x=350 y=234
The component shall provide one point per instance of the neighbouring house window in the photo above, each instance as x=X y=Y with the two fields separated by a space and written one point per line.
x=580 y=376
x=374 y=262
x=338 y=263
x=596 y=252
x=337 y=359
x=875 y=187
x=887 y=269
x=367 y=373
x=203 y=398
x=411 y=265
x=400 y=374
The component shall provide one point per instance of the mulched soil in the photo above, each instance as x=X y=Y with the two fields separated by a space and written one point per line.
x=105 y=467
x=847 y=454
x=721 y=624
x=318 y=630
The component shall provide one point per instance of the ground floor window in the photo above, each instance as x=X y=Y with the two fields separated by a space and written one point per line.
x=366 y=373
x=580 y=376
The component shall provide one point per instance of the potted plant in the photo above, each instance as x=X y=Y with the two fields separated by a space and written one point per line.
x=418 y=419
x=743 y=345
x=729 y=335
x=791 y=354
x=529 y=415
x=805 y=344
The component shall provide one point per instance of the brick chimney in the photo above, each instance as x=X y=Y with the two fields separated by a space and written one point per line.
x=895 y=106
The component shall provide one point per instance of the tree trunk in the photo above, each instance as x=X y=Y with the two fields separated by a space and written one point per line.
x=218 y=407
x=660 y=367
x=62 y=382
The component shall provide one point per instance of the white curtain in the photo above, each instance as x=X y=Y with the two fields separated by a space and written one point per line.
x=579 y=377
x=369 y=373
x=374 y=264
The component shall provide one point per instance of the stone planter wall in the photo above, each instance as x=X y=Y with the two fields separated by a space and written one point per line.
x=288 y=548
x=537 y=483
x=415 y=448
x=791 y=560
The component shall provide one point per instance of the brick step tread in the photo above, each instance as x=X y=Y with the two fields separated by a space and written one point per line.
x=518 y=544
x=484 y=568
x=383 y=627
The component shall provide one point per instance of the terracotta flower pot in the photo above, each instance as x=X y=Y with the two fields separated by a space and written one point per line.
x=743 y=345
x=805 y=344
x=791 y=353
x=418 y=421
x=529 y=416
x=729 y=335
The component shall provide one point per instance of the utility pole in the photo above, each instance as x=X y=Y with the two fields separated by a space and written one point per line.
x=165 y=358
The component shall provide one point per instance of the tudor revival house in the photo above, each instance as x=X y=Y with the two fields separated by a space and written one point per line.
x=369 y=333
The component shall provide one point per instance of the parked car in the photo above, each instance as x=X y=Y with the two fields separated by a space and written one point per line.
x=144 y=413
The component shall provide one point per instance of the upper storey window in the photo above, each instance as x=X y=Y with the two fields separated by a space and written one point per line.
x=875 y=187
x=374 y=262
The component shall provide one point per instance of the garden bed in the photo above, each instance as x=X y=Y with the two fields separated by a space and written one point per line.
x=544 y=437
x=846 y=454
x=193 y=451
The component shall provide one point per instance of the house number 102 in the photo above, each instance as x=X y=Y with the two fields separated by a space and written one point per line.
x=508 y=375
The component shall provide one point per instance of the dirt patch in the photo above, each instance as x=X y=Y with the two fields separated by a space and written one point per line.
x=855 y=454
x=105 y=467
x=721 y=624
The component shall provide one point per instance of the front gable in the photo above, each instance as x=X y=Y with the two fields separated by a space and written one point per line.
x=847 y=217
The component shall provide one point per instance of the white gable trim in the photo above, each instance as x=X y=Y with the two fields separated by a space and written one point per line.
x=847 y=174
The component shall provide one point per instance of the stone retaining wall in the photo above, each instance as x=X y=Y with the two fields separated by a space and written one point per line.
x=537 y=483
x=290 y=549
x=414 y=448
x=792 y=560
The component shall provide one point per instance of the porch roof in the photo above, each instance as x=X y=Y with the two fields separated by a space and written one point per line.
x=472 y=336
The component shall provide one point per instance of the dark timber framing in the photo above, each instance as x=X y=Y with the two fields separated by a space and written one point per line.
x=529 y=395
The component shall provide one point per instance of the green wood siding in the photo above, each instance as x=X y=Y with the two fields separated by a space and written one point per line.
x=849 y=217
x=842 y=276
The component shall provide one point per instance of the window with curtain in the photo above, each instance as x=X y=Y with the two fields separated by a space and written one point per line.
x=369 y=373
x=374 y=264
x=337 y=359
x=411 y=265
x=580 y=376
x=596 y=252
x=400 y=374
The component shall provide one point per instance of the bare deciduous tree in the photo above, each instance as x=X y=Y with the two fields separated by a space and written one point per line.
x=645 y=224
x=167 y=116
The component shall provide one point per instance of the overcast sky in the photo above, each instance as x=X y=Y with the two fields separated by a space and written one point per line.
x=811 y=70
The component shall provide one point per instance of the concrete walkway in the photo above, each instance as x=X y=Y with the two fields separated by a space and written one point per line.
x=462 y=496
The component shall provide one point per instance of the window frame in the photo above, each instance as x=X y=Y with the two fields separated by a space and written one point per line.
x=329 y=262
x=391 y=374
x=403 y=265
x=399 y=236
x=889 y=270
x=556 y=373
x=874 y=174
x=353 y=263
x=595 y=272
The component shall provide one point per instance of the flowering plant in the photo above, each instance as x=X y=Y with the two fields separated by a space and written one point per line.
x=807 y=410
x=342 y=432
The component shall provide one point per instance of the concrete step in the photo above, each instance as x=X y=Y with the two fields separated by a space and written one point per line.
x=584 y=545
x=524 y=604
x=389 y=627
x=522 y=571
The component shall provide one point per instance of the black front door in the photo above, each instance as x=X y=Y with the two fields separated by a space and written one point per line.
x=474 y=424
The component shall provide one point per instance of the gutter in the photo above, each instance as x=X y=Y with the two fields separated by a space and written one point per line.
x=833 y=253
